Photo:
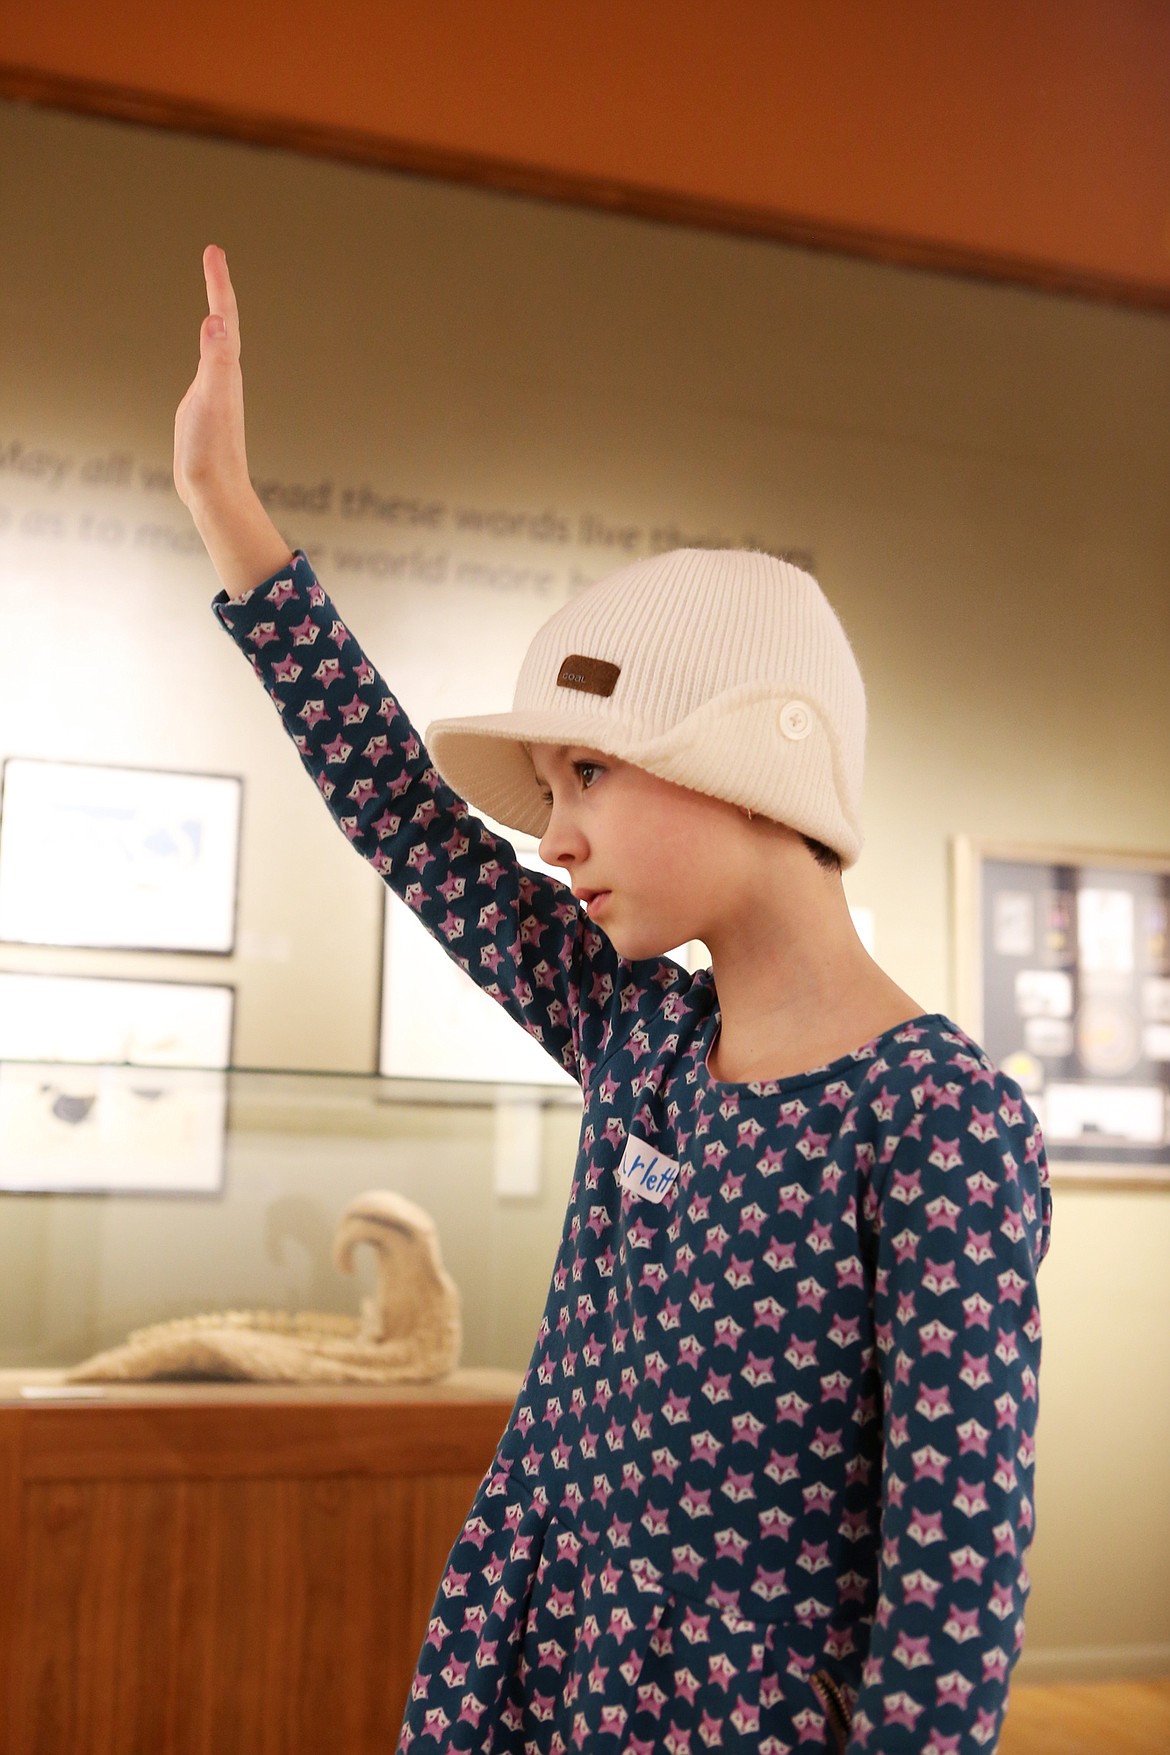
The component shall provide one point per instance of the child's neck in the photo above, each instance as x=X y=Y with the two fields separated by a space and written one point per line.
x=803 y=992
x=782 y=1048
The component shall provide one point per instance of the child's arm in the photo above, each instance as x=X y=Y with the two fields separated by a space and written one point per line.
x=958 y=1219
x=518 y=934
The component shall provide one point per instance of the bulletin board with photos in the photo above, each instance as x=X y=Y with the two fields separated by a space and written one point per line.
x=1064 y=977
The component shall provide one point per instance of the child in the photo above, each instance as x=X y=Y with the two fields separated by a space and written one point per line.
x=768 y=1481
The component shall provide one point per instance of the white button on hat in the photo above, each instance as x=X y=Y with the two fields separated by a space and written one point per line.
x=795 y=720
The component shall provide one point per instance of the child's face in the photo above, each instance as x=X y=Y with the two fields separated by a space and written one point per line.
x=658 y=850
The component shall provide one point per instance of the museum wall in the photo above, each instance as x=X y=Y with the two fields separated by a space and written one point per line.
x=463 y=405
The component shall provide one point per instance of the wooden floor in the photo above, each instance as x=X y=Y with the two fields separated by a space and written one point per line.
x=1101 y=1718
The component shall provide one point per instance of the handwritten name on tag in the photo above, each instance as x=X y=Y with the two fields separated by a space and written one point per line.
x=644 y=1172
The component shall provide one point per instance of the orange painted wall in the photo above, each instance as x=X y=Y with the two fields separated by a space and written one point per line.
x=1018 y=137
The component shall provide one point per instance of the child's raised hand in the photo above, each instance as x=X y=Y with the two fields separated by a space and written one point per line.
x=210 y=459
x=211 y=464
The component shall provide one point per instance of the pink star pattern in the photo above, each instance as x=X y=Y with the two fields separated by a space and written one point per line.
x=768 y=1483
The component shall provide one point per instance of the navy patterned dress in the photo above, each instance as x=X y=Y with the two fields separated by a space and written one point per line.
x=768 y=1483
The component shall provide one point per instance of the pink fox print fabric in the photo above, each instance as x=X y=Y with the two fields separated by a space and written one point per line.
x=768 y=1484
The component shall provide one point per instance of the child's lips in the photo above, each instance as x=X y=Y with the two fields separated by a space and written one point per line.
x=592 y=899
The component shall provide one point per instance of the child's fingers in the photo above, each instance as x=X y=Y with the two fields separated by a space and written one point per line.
x=209 y=421
x=223 y=318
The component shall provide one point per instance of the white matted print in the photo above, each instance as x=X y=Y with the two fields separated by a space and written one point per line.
x=438 y=1024
x=75 y=1120
x=120 y=858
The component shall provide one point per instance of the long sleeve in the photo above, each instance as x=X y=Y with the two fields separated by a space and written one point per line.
x=959 y=1215
x=519 y=934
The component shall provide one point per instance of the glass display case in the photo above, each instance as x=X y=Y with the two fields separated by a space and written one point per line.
x=130 y=1195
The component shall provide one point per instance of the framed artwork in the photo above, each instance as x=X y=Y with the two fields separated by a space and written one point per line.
x=112 y=1086
x=1063 y=964
x=159 y=852
x=436 y=1023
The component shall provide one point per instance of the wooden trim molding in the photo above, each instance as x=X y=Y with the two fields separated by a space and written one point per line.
x=243 y=1440
x=352 y=146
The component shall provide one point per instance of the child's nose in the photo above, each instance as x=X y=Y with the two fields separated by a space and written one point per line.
x=562 y=839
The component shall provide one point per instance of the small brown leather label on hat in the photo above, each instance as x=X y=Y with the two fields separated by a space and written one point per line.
x=595 y=676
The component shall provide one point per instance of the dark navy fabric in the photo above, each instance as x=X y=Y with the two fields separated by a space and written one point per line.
x=768 y=1484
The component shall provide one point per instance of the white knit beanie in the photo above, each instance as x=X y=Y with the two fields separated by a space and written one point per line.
x=723 y=670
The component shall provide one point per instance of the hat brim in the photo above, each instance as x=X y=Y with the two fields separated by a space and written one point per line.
x=484 y=760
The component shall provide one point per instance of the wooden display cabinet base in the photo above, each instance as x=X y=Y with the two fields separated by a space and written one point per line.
x=229 y=1570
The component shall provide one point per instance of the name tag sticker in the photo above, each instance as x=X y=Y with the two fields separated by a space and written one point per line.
x=645 y=1173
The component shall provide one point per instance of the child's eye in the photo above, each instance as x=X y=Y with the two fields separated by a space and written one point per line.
x=581 y=769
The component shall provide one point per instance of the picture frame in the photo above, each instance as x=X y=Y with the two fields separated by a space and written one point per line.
x=159 y=848
x=436 y=1023
x=1062 y=973
x=110 y=1085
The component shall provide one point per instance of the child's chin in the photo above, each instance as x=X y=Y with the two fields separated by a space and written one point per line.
x=637 y=947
